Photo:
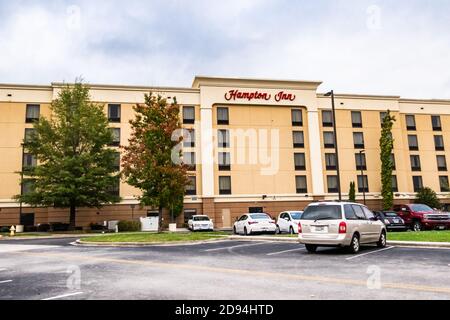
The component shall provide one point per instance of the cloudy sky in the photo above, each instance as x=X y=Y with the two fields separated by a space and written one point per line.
x=399 y=47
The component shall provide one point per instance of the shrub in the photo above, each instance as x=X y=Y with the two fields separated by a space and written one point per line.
x=129 y=226
x=43 y=227
x=4 y=229
x=429 y=197
x=98 y=227
x=352 y=192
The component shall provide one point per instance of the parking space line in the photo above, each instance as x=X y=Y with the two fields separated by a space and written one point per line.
x=63 y=296
x=6 y=281
x=238 y=246
x=2 y=270
x=367 y=253
x=285 y=251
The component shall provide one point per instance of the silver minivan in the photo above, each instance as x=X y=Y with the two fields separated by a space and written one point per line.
x=340 y=224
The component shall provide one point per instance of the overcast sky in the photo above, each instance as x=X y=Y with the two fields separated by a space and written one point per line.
x=399 y=47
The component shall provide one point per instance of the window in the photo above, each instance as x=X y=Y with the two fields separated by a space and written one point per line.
x=188 y=115
x=299 y=139
x=223 y=116
x=116 y=137
x=415 y=163
x=114 y=112
x=189 y=138
x=363 y=184
x=301 y=184
x=369 y=214
x=300 y=162
x=224 y=161
x=417 y=183
x=439 y=143
x=394 y=164
x=443 y=182
x=359 y=212
x=436 y=123
x=361 y=163
x=32 y=113
x=191 y=189
x=188 y=214
x=327 y=118
x=411 y=123
x=224 y=138
x=225 y=185
x=189 y=160
x=297 y=118
x=28 y=186
x=331 y=161
x=29 y=161
x=442 y=163
x=357 y=119
x=114 y=189
x=29 y=135
x=332 y=182
x=413 y=143
x=117 y=161
x=358 y=139
x=394 y=184
x=328 y=140
x=255 y=210
x=349 y=212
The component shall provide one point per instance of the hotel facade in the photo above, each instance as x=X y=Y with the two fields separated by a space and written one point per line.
x=252 y=145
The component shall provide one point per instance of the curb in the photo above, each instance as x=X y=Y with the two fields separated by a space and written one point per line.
x=17 y=238
x=411 y=244
x=81 y=243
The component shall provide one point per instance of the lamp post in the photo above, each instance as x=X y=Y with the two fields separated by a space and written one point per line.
x=338 y=168
x=362 y=175
x=21 y=180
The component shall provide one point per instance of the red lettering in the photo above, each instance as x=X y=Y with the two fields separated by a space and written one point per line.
x=239 y=95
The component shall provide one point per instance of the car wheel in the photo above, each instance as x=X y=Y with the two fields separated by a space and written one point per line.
x=234 y=230
x=246 y=232
x=278 y=231
x=382 y=242
x=311 y=248
x=291 y=231
x=355 y=246
x=417 y=226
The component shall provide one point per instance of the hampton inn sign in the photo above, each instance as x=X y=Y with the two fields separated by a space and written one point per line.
x=234 y=95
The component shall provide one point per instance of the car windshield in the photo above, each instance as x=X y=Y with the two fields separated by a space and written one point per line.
x=420 y=207
x=296 y=215
x=260 y=217
x=201 y=219
x=324 y=212
x=390 y=214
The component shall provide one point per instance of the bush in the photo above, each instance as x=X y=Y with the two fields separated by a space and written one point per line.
x=129 y=226
x=98 y=227
x=429 y=197
x=4 y=229
x=43 y=227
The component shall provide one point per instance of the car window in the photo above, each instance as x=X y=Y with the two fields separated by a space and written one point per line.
x=390 y=214
x=369 y=214
x=359 y=212
x=283 y=216
x=260 y=217
x=349 y=213
x=243 y=218
x=325 y=212
x=201 y=219
x=420 y=207
x=296 y=215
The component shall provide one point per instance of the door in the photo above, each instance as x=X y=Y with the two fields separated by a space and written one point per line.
x=226 y=218
x=241 y=224
x=27 y=219
x=373 y=225
x=362 y=224
x=284 y=224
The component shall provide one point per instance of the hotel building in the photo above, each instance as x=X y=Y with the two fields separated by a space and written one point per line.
x=254 y=145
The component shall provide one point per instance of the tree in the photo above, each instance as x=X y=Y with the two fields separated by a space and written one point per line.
x=75 y=166
x=150 y=161
x=386 y=147
x=429 y=197
x=352 y=192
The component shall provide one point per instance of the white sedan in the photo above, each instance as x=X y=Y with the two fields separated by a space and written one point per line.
x=200 y=223
x=254 y=223
x=288 y=222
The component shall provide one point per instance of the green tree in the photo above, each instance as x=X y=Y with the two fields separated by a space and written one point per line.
x=151 y=160
x=386 y=147
x=75 y=166
x=352 y=192
x=429 y=197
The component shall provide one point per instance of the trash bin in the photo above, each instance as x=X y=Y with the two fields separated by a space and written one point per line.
x=150 y=224
x=19 y=228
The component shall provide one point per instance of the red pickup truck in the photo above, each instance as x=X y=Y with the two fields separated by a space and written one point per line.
x=420 y=217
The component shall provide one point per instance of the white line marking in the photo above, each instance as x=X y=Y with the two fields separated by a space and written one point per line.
x=239 y=246
x=63 y=296
x=365 y=254
x=6 y=281
x=286 y=251
x=2 y=270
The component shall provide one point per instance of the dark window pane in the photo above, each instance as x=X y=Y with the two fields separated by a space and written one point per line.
x=29 y=161
x=360 y=161
x=357 y=119
x=299 y=139
x=224 y=138
x=114 y=113
x=32 y=113
x=328 y=138
x=394 y=164
x=418 y=183
x=442 y=163
x=394 y=184
x=327 y=118
x=300 y=161
x=116 y=137
x=224 y=161
x=191 y=189
x=114 y=189
x=297 y=118
x=188 y=115
x=444 y=184
x=189 y=138
x=415 y=163
x=29 y=134
x=117 y=161
x=28 y=186
x=189 y=160
x=413 y=143
x=411 y=122
x=223 y=117
x=358 y=138
x=363 y=184
x=331 y=161
x=332 y=184
x=301 y=184
x=436 y=122
x=225 y=185
x=439 y=143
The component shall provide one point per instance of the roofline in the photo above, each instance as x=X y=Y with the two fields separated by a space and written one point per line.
x=129 y=87
x=360 y=96
x=254 y=83
x=12 y=86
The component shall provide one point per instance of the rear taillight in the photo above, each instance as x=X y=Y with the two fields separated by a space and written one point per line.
x=300 y=230
x=253 y=222
x=342 y=228
x=272 y=222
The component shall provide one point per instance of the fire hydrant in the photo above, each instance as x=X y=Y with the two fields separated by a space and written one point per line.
x=13 y=231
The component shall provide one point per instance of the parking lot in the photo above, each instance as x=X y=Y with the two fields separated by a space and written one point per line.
x=228 y=270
